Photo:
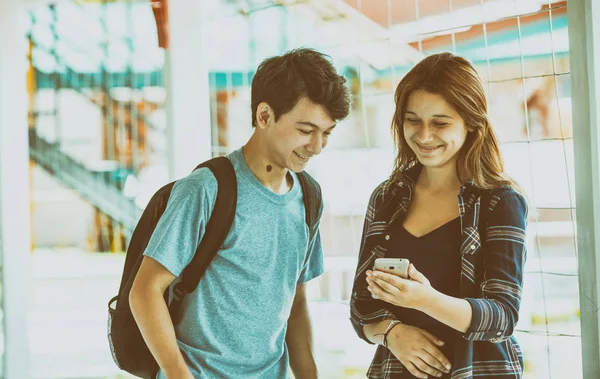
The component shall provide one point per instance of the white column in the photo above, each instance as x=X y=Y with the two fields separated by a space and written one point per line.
x=584 y=40
x=15 y=239
x=186 y=80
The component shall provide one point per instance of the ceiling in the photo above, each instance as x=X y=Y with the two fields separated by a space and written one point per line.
x=388 y=13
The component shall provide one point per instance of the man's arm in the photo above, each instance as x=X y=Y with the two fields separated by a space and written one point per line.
x=299 y=337
x=152 y=316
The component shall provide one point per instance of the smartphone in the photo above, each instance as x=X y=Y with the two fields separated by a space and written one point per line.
x=396 y=266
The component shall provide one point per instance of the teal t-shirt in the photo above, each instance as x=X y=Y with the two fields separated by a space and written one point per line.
x=234 y=324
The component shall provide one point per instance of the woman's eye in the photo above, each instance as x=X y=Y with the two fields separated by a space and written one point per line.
x=412 y=120
x=440 y=124
x=305 y=132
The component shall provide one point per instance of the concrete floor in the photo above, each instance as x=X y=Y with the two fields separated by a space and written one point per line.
x=69 y=291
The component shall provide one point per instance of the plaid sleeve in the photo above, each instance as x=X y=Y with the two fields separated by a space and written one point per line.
x=363 y=308
x=496 y=313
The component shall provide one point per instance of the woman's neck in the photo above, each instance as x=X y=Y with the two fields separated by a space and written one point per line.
x=439 y=179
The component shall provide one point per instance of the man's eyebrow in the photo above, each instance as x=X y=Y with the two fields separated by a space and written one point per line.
x=308 y=123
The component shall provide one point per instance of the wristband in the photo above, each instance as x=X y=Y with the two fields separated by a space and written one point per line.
x=388 y=330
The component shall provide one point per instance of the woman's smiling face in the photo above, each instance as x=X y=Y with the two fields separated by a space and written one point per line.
x=433 y=129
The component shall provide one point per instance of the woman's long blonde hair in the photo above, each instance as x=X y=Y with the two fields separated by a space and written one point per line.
x=455 y=79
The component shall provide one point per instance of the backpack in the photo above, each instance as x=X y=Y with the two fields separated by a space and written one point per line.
x=128 y=348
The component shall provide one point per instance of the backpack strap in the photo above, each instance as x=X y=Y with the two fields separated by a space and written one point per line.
x=216 y=231
x=313 y=203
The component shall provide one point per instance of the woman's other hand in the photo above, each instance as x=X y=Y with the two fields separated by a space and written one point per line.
x=418 y=351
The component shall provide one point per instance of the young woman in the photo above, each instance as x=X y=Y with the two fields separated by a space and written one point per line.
x=450 y=209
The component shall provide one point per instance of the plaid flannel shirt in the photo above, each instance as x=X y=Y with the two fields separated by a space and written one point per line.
x=493 y=254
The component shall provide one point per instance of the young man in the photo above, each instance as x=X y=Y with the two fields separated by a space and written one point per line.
x=248 y=316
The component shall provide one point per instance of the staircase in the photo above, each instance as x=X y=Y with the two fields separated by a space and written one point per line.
x=116 y=214
x=92 y=186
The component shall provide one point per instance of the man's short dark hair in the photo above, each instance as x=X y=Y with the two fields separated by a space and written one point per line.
x=283 y=80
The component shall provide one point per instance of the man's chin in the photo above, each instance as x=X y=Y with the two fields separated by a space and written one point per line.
x=297 y=167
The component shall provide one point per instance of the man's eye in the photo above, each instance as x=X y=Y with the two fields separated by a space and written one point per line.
x=440 y=124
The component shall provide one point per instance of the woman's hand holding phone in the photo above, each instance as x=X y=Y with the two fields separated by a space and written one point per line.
x=415 y=292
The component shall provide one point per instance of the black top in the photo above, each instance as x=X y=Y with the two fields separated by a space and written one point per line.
x=437 y=256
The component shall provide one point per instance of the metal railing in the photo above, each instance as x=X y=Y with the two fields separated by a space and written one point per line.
x=90 y=185
x=58 y=33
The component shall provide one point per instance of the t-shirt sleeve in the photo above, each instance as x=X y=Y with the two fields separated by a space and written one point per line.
x=314 y=261
x=181 y=227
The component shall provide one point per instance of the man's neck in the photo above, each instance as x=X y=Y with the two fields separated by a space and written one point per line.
x=271 y=175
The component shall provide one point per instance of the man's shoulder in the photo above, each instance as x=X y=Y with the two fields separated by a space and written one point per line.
x=200 y=181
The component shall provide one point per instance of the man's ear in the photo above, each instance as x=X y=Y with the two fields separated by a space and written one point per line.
x=264 y=115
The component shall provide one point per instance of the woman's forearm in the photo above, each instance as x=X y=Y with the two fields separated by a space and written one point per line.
x=452 y=311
